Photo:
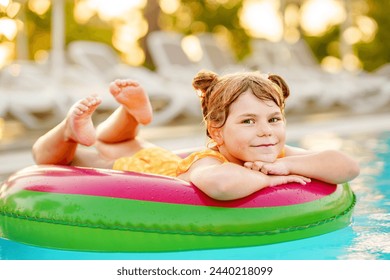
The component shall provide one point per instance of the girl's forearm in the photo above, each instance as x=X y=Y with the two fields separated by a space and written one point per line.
x=328 y=166
x=228 y=181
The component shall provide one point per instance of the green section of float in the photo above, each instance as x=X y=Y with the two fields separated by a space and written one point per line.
x=91 y=223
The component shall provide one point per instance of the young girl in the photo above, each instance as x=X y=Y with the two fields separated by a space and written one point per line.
x=244 y=115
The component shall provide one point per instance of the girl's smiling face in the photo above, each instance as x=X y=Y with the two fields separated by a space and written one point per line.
x=254 y=131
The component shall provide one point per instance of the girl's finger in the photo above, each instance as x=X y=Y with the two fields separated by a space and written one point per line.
x=258 y=165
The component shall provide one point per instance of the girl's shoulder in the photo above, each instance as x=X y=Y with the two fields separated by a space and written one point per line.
x=187 y=162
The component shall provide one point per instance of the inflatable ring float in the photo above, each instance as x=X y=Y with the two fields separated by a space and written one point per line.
x=87 y=209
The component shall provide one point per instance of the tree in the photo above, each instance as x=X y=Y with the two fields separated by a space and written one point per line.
x=376 y=53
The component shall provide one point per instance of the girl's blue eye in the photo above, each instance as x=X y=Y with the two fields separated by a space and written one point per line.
x=248 y=121
x=272 y=120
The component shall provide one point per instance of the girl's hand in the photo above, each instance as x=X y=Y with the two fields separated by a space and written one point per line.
x=278 y=172
x=276 y=168
x=279 y=180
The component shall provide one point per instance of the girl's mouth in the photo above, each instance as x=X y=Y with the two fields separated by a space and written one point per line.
x=264 y=145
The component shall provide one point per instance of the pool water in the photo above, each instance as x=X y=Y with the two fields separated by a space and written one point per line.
x=368 y=237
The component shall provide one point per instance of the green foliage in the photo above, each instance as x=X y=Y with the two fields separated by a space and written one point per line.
x=216 y=17
x=321 y=45
x=39 y=30
x=95 y=30
x=196 y=16
x=376 y=53
x=372 y=54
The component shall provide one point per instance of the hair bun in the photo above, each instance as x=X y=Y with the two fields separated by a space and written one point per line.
x=281 y=83
x=203 y=80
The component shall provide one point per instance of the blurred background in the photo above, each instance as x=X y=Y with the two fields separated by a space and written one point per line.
x=334 y=54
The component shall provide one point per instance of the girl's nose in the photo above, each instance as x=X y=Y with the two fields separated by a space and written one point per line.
x=264 y=130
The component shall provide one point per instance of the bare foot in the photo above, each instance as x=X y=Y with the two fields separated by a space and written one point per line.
x=133 y=97
x=78 y=123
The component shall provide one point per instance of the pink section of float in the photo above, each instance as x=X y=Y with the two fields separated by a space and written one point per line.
x=138 y=186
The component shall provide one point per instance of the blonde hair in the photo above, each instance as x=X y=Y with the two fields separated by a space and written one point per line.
x=218 y=93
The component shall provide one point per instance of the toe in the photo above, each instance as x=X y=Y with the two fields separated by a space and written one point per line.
x=114 y=88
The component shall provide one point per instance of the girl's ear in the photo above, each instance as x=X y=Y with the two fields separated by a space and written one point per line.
x=216 y=135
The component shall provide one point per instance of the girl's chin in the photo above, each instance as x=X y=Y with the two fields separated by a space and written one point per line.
x=267 y=158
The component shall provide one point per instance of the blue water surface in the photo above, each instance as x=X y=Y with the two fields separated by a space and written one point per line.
x=368 y=237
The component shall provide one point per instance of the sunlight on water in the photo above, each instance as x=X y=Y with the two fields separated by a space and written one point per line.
x=371 y=220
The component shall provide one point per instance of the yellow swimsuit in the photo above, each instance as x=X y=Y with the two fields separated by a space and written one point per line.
x=154 y=160
x=160 y=161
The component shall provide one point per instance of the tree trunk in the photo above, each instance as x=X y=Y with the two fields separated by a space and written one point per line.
x=152 y=14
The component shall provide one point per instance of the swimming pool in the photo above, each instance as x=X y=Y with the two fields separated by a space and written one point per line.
x=367 y=238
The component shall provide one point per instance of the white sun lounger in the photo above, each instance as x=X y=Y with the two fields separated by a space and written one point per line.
x=219 y=57
x=3 y=103
x=173 y=64
x=30 y=93
x=359 y=93
x=101 y=61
